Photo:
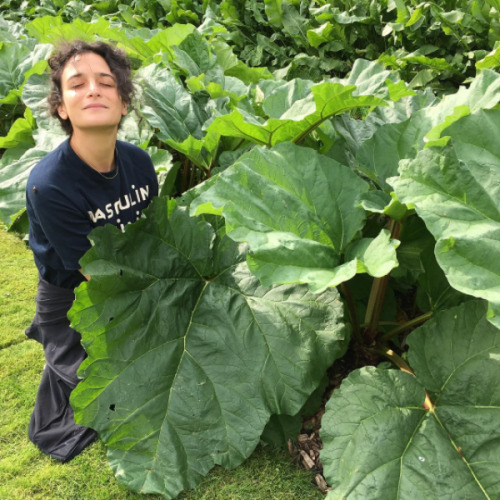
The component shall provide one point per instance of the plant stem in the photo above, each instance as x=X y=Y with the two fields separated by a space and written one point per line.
x=377 y=294
x=395 y=358
x=374 y=307
x=352 y=312
x=192 y=176
x=382 y=323
x=410 y=324
x=185 y=172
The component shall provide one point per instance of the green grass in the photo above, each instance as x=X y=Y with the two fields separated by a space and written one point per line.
x=27 y=473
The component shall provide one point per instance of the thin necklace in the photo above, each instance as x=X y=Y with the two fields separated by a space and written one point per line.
x=109 y=177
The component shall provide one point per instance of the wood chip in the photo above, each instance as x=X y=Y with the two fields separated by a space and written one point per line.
x=320 y=482
x=308 y=462
x=302 y=438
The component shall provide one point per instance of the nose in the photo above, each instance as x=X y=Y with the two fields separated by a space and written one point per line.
x=93 y=88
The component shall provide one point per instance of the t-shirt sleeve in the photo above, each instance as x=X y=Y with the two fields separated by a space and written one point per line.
x=63 y=225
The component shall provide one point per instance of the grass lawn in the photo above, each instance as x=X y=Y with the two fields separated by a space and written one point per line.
x=27 y=473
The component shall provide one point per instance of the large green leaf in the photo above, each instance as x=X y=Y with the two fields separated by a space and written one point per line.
x=20 y=134
x=166 y=39
x=11 y=31
x=34 y=96
x=188 y=356
x=456 y=191
x=365 y=87
x=274 y=12
x=381 y=442
x=418 y=264
x=19 y=60
x=143 y=44
x=233 y=66
x=280 y=96
x=15 y=169
x=492 y=60
x=13 y=176
x=54 y=30
x=354 y=131
x=298 y=211
x=379 y=156
x=194 y=57
x=168 y=106
x=177 y=117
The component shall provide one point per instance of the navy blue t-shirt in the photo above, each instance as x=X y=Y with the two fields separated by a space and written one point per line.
x=66 y=199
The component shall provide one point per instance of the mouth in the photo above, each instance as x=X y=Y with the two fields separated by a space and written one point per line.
x=95 y=106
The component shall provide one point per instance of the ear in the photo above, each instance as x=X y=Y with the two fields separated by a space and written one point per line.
x=61 y=110
x=124 y=108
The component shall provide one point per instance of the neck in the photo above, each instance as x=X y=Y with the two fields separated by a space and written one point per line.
x=96 y=149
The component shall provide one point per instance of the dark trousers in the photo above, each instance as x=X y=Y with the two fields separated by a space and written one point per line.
x=52 y=427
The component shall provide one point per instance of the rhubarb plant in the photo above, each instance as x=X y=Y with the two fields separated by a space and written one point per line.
x=300 y=222
x=296 y=220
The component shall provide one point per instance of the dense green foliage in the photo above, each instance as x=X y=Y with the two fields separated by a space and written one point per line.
x=437 y=41
x=301 y=147
x=25 y=472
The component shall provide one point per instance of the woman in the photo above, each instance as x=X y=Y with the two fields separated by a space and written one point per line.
x=90 y=180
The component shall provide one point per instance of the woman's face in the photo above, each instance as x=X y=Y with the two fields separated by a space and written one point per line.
x=90 y=97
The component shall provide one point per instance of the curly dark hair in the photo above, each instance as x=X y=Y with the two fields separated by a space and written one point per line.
x=115 y=58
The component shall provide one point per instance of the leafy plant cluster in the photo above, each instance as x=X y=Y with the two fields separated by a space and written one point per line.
x=300 y=221
x=438 y=42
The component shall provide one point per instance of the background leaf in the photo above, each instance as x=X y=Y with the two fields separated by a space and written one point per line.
x=168 y=106
x=366 y=86
x=379 y=156
x=19 y=60
x=456 y=190
x=14 y=173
